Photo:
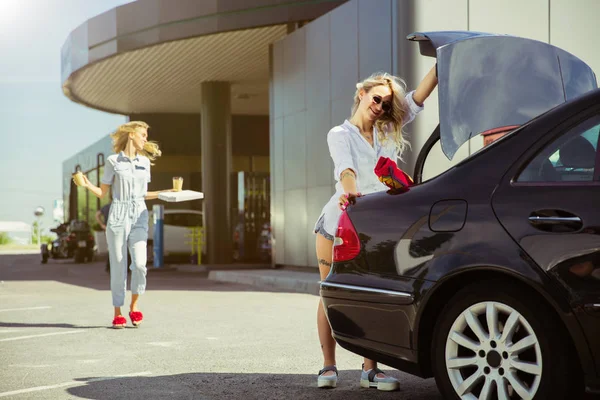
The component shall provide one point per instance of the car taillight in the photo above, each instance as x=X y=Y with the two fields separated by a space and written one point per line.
x=346 y=245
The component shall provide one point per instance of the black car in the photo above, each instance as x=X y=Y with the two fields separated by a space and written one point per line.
x=487 y=276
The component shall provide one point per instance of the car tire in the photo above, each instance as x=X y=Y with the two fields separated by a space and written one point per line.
x=44 y=252
x=526 y=338
x=80 y=256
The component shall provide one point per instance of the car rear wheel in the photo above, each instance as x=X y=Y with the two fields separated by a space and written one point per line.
x=80 y=256
x=497 y=343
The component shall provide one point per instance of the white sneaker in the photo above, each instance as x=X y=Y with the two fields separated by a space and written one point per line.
x=369 y=379
x=329 y=381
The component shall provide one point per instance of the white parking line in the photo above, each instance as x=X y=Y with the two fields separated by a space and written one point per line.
x=26 y=309
x=33 y=366
x=162 y=344
x=71 y=383
x=10 y=331
x=41 y=335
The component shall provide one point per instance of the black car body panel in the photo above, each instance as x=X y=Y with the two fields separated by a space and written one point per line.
x=515 y=77
x=561 y=246
x=475 y=221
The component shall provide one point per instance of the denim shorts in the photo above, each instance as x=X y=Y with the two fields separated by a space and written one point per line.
x=320 y=228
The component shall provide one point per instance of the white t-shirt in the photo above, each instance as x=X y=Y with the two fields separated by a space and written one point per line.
x=350 y=150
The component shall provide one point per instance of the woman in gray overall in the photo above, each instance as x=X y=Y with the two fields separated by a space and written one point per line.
x=128 y=172
x=381 y=108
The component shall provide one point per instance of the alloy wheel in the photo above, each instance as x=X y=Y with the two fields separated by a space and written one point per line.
x=492 y=352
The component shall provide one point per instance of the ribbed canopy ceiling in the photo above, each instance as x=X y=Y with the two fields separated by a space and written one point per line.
x=166 y=77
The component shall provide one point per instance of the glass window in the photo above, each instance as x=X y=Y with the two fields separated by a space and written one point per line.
x=66 y=205
x=570 y=158
x=92 y=200
x=82 y=203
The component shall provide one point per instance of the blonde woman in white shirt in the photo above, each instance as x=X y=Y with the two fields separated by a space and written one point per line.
x=381 y=108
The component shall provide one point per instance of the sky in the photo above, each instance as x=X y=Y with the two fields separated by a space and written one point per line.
x=39 y=126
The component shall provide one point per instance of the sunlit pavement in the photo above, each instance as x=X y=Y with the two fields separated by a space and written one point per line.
x=200 y=339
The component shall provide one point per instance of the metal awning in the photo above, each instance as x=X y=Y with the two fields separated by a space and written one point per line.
x=166 y=78
x=151 y=56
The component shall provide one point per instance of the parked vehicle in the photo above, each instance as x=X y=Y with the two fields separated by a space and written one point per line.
x=178 y=224
x=487 y=276
x=58 y=248
x=73 y=240
x=81 y=242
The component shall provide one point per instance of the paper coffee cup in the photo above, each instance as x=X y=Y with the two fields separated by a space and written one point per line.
x=78 y=178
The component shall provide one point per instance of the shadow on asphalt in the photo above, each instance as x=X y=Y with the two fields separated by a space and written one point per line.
x=245 y=386
x=27 y=267
x=250 y=386
x=43 y=325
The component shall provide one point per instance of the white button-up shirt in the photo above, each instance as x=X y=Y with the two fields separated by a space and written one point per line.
x=350 y=150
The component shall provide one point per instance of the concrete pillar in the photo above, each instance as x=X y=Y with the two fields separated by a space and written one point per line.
x=216 y=170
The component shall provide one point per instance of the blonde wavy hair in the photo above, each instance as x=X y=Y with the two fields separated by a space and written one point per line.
x=121 y=136
x=389 y=125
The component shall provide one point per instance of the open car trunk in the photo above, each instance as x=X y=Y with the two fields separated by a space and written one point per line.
x=489 y=81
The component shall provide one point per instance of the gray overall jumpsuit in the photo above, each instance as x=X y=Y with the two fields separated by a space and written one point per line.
x=127 y=224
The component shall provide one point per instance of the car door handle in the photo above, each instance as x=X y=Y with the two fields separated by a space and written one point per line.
x=555 y=220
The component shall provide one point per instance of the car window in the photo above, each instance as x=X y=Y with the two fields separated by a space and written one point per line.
x=570 y=158
x=183 y=219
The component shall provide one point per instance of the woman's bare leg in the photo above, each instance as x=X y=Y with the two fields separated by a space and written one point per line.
x=134 y=300
x=370 y=364
x=324 y=257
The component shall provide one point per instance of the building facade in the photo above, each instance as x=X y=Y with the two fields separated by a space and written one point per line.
x=192 y=69
x=315 y=69
x=198 y=73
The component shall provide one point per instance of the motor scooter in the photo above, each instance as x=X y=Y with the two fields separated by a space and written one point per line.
x=81 y=242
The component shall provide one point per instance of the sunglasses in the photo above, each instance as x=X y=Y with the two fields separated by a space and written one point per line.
x=385 y=105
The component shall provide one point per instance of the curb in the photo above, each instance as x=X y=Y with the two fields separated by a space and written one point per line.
x=165 y=268
x=288 y=281
x=19 y=252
